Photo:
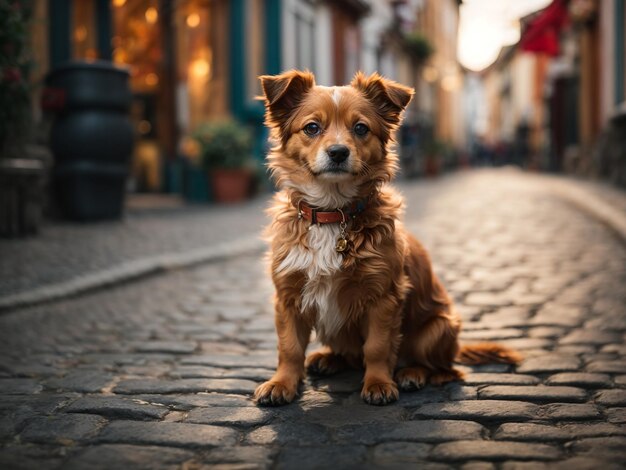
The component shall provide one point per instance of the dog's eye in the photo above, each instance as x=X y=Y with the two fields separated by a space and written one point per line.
x=361 y=129
x=312 y=129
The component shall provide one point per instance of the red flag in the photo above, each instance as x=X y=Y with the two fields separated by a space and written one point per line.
x=542 y=32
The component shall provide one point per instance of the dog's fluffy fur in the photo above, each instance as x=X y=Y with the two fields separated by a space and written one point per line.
x=379 y=304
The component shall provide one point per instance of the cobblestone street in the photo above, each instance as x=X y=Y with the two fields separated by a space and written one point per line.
x=158 y=373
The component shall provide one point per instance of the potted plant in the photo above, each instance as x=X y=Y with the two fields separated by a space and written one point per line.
x=418 y=47
x=226 y=148
x=22 y=164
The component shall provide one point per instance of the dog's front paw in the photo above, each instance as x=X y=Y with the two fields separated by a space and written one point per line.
x=274 y=393
x=379 y=393
x=324 y=363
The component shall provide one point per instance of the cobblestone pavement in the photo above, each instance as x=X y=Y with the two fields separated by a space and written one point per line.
x=157 y=374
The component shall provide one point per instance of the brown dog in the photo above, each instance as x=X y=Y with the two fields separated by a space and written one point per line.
x=341 y=261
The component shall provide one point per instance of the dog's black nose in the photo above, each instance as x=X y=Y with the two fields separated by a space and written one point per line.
x=338 y=153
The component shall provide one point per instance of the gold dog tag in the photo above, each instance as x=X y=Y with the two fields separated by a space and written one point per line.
x=341 y=246
x=342 y=242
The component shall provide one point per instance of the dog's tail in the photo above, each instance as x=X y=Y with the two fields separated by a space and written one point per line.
x=487 y=353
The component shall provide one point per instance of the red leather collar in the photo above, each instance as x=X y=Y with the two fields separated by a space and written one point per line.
x=318 y=216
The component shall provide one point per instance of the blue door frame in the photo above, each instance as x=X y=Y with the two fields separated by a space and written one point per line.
x=245 y=111
x=59 y=34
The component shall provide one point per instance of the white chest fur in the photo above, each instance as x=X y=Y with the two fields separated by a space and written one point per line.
x=320 y=262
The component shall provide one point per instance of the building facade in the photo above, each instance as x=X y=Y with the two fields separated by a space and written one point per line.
x=189 y=60
x=192 y=61
x=559 y=93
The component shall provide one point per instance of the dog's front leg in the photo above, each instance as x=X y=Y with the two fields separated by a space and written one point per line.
x=380 y=353
x=293 y=338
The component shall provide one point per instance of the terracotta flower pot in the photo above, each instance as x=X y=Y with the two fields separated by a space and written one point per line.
x=230 y=185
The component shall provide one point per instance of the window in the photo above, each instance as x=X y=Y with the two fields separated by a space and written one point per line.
x=136 y=42
x=83 y=32
x=195 y=63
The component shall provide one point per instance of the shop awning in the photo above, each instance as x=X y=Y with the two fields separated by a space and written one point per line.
x=542 y=33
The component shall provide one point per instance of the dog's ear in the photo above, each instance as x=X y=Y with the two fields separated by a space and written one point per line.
x=283 y=93
x=389 y=97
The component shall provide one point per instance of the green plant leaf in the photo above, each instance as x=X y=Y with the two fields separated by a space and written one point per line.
x=224 y=144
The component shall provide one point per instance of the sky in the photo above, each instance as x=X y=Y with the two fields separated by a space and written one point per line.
x=488 y=25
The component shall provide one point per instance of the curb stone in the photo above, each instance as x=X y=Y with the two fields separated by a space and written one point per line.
x=586 y=201
x=132 y=270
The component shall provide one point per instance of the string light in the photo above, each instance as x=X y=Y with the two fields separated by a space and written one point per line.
x=193 y=20
x=200 y=68
x=80 y=34
x=152 y=15
x=152 y=79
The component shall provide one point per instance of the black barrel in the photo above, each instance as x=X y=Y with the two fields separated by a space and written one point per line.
x=91 y=138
